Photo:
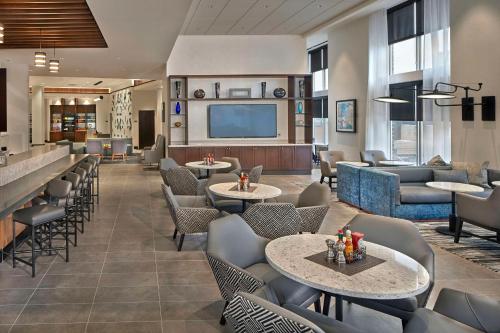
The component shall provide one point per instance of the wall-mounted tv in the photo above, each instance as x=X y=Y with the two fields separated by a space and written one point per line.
x=242 y=121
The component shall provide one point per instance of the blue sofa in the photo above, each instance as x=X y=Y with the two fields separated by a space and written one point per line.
x=397 y=192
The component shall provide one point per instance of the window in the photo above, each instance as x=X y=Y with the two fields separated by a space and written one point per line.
x=404 y=56
x=318 y=64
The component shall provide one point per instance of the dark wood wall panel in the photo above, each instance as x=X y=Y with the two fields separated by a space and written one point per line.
x=3 y=100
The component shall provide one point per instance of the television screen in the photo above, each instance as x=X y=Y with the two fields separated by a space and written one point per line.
x=242 y=121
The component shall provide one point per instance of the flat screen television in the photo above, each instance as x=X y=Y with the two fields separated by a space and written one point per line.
x=242 y=121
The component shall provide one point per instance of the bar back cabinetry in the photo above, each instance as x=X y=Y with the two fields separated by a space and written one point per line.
x=285 y=159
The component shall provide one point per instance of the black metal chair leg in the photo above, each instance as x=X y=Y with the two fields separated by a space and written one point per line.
x=326 y=304
x=181 y=240
x=13 y=244
x=175 y=234
x=458 y=229
x=222 y=320
x=317 y=305
x=66 y=237
x=33 y=259
x=330 y=181
x=322 y=179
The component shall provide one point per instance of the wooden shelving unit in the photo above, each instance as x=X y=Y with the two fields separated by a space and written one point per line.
x=297 y=133
x=71 y=122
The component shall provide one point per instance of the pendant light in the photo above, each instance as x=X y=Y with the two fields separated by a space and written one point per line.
x=54 y=63
x=391 y=99
x=1 y=33
x=40 y=57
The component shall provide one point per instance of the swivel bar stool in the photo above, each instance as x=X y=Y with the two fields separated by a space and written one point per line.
x=97 y=159
x=84 y=204
x=40 y=220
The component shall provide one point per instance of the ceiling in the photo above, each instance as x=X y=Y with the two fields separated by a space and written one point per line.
x=261 y=17
x=80 y=82
x=55 y=23
x=139 y=34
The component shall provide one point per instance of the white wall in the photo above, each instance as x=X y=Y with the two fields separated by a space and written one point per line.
x=348 y=79
x=475 y=57
x=141 y=100
x=17 y=137
x=283 y=54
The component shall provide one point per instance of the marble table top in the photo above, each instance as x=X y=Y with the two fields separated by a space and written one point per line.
x=398 y=277
x=354 y=163
x=262 y=191
x=497 y=183
x=201 y=165
x=396 y=163
x=454 y=187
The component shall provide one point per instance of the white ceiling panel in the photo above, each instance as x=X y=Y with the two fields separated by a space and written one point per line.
x=261 y=17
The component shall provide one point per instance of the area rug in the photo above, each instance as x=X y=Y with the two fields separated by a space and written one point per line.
x=480 y=251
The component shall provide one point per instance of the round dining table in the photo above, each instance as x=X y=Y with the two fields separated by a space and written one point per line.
x=453 y=188
x=204 y=166
x=395 y=276
x=256 y=191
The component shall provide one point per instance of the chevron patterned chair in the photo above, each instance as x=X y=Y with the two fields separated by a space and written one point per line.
x=256 y=313
x=312 y=205
x=237 y=258
x=183 y=182
x=190 y=213
x=273 y=220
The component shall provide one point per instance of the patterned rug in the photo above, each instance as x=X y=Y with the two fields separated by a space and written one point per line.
x=480 y=251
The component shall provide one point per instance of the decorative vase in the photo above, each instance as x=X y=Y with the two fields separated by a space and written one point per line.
x=199 y=93
x=302 y=88
x=300 y=107
x=178 y=89
x=217 y=89
x=178 y=108
x=263 y=89
x=177 y=124
x=279 y=93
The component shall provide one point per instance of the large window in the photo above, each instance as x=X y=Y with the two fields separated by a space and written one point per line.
x=318 y=65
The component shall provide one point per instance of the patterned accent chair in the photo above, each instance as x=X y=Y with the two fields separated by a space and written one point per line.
x=273 y=220
x=373 y=157
x=254 y=313
x=312 y=205
x=237 y=257
x=183 y=182
x=405 y=238
x=328 y=163
x=234 y=168
x=255 y=173
x=166 y=164
x=189 y=213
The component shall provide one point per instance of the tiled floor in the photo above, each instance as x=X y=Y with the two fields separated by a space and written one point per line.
x=126 y=275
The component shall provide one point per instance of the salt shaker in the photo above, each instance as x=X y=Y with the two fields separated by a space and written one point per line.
x=331 y=254
x=340 y=252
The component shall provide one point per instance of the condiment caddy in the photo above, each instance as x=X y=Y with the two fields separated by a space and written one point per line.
x=348 y=248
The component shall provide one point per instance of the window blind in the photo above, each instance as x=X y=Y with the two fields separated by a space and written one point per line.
x=405 y=21
x=320 y=107
x=407 y=91
x=319 y=58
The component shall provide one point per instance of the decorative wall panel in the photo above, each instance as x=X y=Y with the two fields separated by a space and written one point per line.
x=121 y=111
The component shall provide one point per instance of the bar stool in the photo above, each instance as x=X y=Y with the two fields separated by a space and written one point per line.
x=96 y=174
x=73 y=208
x=40 y=219
x=84 y=207
x=89 y=188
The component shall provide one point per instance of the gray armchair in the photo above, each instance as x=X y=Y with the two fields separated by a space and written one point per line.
x=166 y=164
x=373 y=157
x=403 y=236
x=95 y=147
x=273 y=220
x=328 y=163
x=157 y=152
x=183 y=182
x=234 y=168
x=255 y=173
x=119 y=148
x=312 y=205
x=190 y=213
x=72 y=149
x=255 y=313
x=221 y=203
x=237 y=257
x=457 y=312
x=483 y=212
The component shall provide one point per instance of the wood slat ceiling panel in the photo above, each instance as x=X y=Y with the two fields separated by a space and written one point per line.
x=63 y=24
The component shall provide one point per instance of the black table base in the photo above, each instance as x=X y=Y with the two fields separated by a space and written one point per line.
x=450 y=229
x=339 y=309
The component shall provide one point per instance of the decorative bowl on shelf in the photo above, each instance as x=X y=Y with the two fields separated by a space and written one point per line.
x=279 y=92
x=199 y=93
x=177 y=124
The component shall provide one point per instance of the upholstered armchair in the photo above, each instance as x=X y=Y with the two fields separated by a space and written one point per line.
x=328 y=163
x=255 y=173
x=234 y=168
x=221 y=203
x=403 y=236
x=119 y=148
x=166 y=164
x=273 y=220
x=483 y=212
x=157 y=152
x=237 y=257
x=183 y=182
x=312 y=205
x=189 y=213
x=373 y=157
x=256 y=313
x=457 y=312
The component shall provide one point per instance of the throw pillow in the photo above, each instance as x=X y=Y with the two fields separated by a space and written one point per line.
x=477 y=173
x=436 y=161
x=456 y=176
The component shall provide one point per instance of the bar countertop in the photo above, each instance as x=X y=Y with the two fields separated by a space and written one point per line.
x=16 y=193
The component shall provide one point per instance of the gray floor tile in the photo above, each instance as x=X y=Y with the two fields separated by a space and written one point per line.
x=188 y=326
x=129 y=267
x=15 y=296
x=9 y=313
x=126 y=294
x=55 y=313
x=128 y=327
x=186 y=278
x=183 y=266
x=128 y=280
x=191 y=310
x=70 y=280
x=183 y=255
x=130 y=256
x=189 y=293
x=113 y=312
x=75 y=268
x=63 y=295
x=9 y=282
x=49 y=328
